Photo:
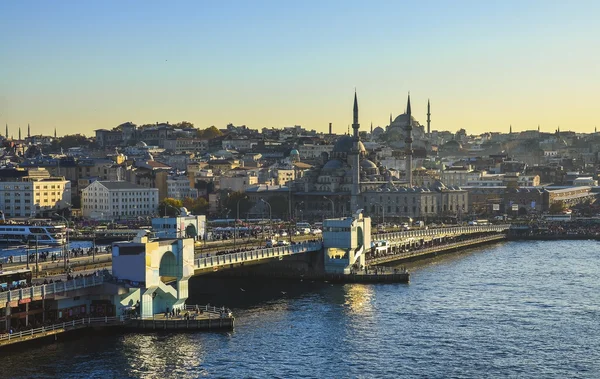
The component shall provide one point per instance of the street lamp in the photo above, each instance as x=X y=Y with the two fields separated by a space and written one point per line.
x=270 y=215
x=332 y=206
x=236 y=220
x=67 y=246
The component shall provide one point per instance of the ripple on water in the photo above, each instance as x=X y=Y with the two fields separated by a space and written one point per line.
x=526 y=310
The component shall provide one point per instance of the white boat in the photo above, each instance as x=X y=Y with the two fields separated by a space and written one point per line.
x=53 y=235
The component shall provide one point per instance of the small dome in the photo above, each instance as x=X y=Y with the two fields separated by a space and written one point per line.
x=141 y=144
x=294 y=152
x=344 y=145
x=365 y=163
x=333 y=164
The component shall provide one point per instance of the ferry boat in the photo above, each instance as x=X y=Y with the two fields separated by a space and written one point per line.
x=53 y=235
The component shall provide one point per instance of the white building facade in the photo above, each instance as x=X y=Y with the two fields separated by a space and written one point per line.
x=30 y=197
x=118 y=200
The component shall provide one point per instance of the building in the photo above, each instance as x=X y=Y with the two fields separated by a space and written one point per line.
x=181 y=145
x=238 y=183
x=118 y=200
x=35 y=195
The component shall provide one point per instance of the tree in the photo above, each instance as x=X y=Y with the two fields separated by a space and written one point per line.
x=200 y=206
x=169 y=206
x=209 y=133
x=557 y=207
x=73 y=140
x=184 y=125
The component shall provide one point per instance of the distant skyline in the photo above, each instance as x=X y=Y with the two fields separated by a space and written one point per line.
x=80 y=66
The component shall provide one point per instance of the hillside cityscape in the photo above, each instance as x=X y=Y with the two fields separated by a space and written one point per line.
x=304 y=174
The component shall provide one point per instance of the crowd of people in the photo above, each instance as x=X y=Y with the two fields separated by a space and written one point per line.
x=399 y=250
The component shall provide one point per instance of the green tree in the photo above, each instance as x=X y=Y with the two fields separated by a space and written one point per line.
x=200 y=206
x=73 y=140
x=184 y=125
x=169 y=206
x=557 y=207
x=209 y=133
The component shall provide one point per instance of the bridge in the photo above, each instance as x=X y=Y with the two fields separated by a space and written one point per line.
x=24 y=295
x=202 y=264
x=145 y=266
x=429 y=234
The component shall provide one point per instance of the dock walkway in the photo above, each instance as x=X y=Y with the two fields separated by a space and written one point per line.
x=208 y=318
x=434 y=250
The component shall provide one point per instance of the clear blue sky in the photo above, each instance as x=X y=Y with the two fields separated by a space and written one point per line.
x=83 y=65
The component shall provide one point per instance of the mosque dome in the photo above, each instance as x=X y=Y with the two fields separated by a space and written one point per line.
x=402 y=121
x=367 y=164
x=294 y=152
x=141 y=144
x=333 y=164
x=344 y=145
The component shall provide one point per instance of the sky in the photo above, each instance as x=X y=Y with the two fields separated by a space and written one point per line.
x=84 y=65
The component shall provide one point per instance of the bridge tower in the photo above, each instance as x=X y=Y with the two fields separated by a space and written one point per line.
x=149 y=267
x=345 y=242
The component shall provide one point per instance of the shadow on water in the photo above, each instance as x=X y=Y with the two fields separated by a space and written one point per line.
x=246 y=292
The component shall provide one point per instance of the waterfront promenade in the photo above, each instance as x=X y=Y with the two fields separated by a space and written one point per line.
x=195 y=317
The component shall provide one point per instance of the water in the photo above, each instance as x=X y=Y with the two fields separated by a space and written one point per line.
x=525 y=310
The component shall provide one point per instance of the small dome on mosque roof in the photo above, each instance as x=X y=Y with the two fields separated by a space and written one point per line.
x=365 y=163
x=333 y=164
x=294 y=152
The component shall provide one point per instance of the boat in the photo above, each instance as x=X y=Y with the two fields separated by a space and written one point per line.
x=15 y=233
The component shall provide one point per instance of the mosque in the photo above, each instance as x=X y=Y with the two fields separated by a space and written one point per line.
x=349 y=180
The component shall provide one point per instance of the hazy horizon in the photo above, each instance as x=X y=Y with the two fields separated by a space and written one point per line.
x=84 y=66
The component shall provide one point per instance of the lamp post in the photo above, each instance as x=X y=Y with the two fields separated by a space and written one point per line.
x=236 y=220
x=332 y=206
x=270 y=215
x=67 y=246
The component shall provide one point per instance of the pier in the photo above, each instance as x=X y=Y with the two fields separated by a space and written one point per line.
x=203 y=318
x=397 y=256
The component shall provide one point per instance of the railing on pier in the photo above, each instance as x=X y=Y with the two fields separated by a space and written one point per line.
x=254 y=255
x=440 y=232
x=63 y=326
x=48 y=289
x=432 y=249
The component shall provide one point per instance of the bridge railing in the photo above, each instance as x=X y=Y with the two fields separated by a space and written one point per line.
x=440 y=232
x=253 y=255
x=63 y=326
x=48 y=289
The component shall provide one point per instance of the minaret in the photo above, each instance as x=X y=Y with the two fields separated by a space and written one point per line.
x=6 y=131
x=428 y=119
x=390 y=119
x=19 y=133
x=408 y=141
x=371 y=127
x=28 y=131
x=55 y=132
x=355 y=159
x=510 y=129
x=538 y=128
